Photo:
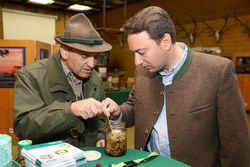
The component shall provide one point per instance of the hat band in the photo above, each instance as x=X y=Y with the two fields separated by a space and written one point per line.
x=82 y=41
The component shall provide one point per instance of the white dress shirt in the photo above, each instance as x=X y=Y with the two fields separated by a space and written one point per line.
x=159 y=139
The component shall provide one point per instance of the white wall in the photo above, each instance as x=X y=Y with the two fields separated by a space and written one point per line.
x=20 y=25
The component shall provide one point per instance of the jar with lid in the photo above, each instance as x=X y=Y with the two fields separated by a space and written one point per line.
x=116 y=139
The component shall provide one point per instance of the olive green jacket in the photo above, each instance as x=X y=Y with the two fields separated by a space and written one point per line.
x=42 y=104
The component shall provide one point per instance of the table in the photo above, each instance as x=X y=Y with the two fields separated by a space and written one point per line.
x=132 y=154
x=119 y=96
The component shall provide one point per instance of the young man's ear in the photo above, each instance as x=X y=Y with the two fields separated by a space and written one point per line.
x=166 y=41
x=64 y=52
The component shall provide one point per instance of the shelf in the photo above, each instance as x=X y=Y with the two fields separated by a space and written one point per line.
x=109 y=29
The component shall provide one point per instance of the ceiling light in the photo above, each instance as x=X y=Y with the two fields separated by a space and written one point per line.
x=79 y=7
x=41 y=1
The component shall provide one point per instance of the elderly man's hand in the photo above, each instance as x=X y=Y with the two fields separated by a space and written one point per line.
x=86 y=108
x=100 y=143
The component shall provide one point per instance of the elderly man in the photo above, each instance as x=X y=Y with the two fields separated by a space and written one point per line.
x=60 y=97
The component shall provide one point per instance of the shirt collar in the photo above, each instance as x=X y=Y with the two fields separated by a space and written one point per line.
x=178 y=66
x=65 y=69
x=69 y=74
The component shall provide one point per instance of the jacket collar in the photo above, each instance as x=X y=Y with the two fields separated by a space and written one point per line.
x=56 y=75
x=184 y=68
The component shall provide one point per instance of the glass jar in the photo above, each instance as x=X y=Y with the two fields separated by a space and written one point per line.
x=116 y=139
x=115 y=81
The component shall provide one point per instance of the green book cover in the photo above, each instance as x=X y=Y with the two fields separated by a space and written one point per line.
x=78 y=162
x=51 y=153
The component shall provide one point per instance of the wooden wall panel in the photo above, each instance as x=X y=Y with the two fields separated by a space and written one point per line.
x=6 y=94
x=6 y=102
x=234 y=39
x=244 y=80
x=55 y=47
x=180 y=10
x=122 y=58
x=41 y=45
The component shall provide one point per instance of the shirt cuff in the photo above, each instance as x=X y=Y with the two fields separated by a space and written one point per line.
x=116 y=120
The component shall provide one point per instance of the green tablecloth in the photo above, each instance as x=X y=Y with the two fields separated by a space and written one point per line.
x=132 y=154
x=119 y=96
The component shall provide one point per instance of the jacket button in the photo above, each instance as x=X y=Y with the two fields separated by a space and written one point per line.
x=156 y=112
x=162 y=93
x=74 y=133
x=146 y=131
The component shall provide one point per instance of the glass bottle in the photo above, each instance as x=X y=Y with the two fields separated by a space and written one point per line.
x=116 y=139
x=115 y=79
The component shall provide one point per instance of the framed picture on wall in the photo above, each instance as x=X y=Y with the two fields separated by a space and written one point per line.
x=44 y=53
x=103 y=58
x=11 y=60
x=243 y=65
x=43 y=50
